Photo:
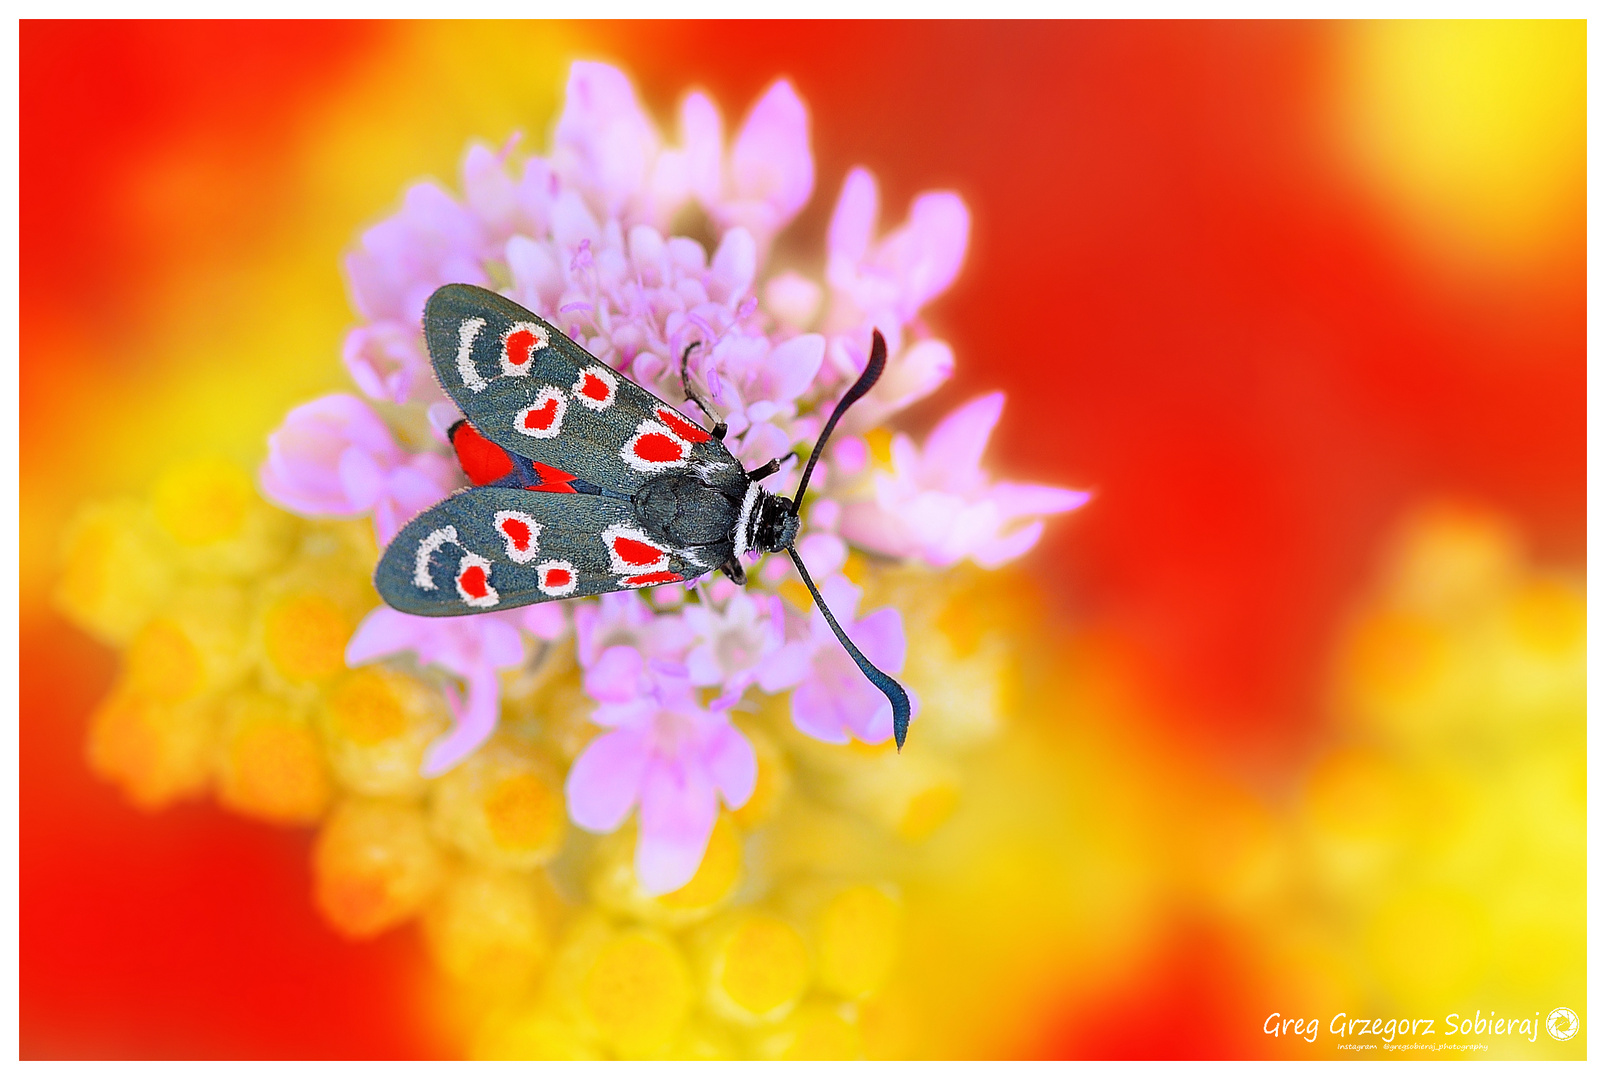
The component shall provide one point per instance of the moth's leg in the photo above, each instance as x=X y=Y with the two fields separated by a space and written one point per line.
x=734 y=570
x=691 y=395
x=770 y=467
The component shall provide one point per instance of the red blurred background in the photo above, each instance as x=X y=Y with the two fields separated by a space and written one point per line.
x=1193 y=311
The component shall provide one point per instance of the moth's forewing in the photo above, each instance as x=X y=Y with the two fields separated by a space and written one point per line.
x=554 y=402
x=527 y=546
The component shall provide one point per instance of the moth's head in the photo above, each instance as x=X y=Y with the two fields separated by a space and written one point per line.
x=777 y=523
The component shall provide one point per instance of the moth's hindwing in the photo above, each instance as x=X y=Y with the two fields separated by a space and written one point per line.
x=526 y=386
x=490 y=548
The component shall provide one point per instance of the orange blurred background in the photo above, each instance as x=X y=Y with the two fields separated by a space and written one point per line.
x=1246 y=281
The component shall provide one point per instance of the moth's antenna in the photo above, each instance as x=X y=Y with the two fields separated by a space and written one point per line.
x=872 y=372
x=883 y=682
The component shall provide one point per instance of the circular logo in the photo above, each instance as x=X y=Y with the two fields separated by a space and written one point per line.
x=1562 y=1024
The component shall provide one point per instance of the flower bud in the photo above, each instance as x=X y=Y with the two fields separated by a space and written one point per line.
x=815 y=1032
x=270 y=764
x=210 y=508
x=376 y=723
x=502 y=807
x=754 y=967
x=374 y=866
x=486 y=928
x=158 y=752
x=117 y=568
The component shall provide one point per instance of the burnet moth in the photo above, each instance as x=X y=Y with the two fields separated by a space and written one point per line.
x=585 y=483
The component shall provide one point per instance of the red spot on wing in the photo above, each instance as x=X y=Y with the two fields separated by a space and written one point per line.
x=658 y=448
x=635 y=552
x=518 y=532
x=551 y=479
x=482 y=459
x=557 y=578
x=519 y=343
x=540 y=419
x=660 y=578
x=594 y=388
x=682 y=427
x=472 y=581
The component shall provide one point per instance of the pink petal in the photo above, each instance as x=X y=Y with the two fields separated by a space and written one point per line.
x=732 y=765
x=385 y=360
x=489 y=190
x=701 y=129
x=955 y=445
x=537 y=275
x=617 y=674
x=383 y=632
x=1019 y=500
x=546 y=621
x=817 y=712
x=793 y=364
x=361 y=478
x=475 y=723
x=770 y=160
x=678 y=809
x=995 y=553
x=500 y=643
x=605 y=780
x=785 y=667
x=822 y=553
x=853 y=220
x=925 y=255
x=734 y=265
x=604 y=142
x=879 y=635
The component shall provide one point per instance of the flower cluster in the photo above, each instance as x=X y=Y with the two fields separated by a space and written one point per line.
x=584 y=236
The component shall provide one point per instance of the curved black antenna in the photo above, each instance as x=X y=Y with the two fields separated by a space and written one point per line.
x=883 y=682
x=872 y=372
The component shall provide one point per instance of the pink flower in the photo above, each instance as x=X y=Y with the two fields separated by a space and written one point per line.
x=938 y=504
x=769 y=174
x=665 y=753
x=728 y=644
x=433 y=241
x=885 y=283
x=833 y=699
x=334 y=457
x=387 y=362
x=623 y=618
x=604 y=144
x=472 y=647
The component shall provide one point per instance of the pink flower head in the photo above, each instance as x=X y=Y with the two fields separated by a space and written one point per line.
x=757 y=389
x=938 y=504
x=729 y=644
x=334 y=457
x=665 y=753
x=833 y=699
x=472 y=647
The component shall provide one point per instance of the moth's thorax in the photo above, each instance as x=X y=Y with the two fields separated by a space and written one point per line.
x=684 y=510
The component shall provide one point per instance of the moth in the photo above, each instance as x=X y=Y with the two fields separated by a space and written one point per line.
x=584 y=482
